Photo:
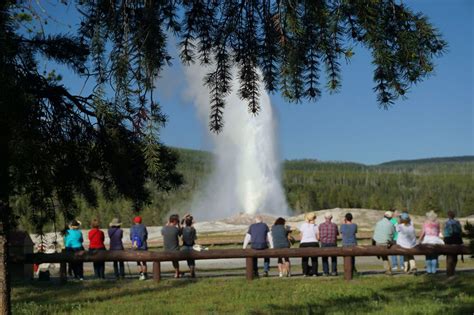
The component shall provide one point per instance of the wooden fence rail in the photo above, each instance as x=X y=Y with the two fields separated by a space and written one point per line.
x=157 y=257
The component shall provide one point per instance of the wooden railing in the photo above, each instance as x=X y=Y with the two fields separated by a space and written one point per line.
x=157 y=257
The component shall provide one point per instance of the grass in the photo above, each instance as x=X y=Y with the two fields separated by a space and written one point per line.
x=234 y=295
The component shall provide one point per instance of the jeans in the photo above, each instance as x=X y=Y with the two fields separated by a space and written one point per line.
x=431 y=263
x=119 y=269
x=395 y=262
x=326 y=262
x=99 y=266
x=266 y=265
x=314 y=260
x=76 y=267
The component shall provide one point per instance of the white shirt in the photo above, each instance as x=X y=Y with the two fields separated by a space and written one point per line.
x=309 y=232
x=406 y=235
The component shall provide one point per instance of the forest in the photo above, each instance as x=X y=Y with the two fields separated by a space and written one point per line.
x=415 y=185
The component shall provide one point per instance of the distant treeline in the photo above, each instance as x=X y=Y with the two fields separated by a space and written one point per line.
x=417 y=185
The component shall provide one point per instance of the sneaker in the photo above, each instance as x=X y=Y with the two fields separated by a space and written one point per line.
x=288 y=274
x=334 y=274
x=326 y=274
x=280 y=274
x=141 y=277
x=81 y=279
x=265 y=273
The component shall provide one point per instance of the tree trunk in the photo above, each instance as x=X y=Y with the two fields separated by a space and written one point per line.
x=5 y=290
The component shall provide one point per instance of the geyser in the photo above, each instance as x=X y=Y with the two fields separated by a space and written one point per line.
x=246 y=175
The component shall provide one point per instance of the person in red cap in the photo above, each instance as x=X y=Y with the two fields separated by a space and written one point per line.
x=139 y=236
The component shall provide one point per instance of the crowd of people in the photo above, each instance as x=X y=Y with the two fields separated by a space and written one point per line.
x=393 y=228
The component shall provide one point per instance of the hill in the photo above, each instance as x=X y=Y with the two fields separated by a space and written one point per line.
x=416 y=185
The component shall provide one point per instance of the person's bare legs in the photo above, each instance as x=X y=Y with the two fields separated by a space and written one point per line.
x=176 y=269
x=288 y=268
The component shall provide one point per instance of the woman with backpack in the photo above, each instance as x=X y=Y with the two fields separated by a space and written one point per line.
x=139 y=236
x=453 y=232
x=116 y=235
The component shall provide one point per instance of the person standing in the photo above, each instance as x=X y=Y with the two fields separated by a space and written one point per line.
x=96 y=243
x=328 y=233
x=348 y=232
x=259 y=237
x=396 y=259
x=407 y=239
x=189 y=238
x=431 y=235
x=383 y=235
x=171 y=232
x=73 y=241
x=453 y=232
x=139 y=237
x=309 y=238
x=280 y=234
x=116 y=234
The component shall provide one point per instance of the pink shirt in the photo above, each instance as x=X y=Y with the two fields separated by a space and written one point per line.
x=431 y=228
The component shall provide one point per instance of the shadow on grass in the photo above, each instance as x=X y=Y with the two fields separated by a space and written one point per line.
x=438 y=288
x=73 y=292
x=335 y=304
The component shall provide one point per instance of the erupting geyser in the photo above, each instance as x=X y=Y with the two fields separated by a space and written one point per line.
x=246 y=176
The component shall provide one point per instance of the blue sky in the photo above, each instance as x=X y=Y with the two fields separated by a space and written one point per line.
x=437 y=119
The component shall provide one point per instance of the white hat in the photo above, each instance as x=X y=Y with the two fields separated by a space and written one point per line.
x=328 y=215
x=388 y=214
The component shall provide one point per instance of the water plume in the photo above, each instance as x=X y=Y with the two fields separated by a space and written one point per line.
x=246 y=174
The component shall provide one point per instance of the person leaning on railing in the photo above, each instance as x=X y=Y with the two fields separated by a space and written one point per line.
x=348 y=232
x=453 y=233
x=328 y=233
x=383 y=235
x=431 y=235
x=73 y=242
x=309 y=238
x=407 y=239
x=260 y=237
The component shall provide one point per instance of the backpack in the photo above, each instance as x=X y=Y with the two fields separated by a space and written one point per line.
x=452 y=229
x=136 y=240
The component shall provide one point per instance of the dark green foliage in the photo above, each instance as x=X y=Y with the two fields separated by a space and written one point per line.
x=57 y=147
x=292 y=42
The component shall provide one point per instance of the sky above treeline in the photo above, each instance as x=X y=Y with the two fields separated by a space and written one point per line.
x=437 y=118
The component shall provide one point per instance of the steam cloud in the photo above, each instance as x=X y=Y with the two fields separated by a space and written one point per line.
x=246 y=175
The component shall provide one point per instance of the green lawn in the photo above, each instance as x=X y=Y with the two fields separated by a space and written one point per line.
x=228 y=295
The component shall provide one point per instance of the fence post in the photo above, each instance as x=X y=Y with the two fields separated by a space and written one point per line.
x=249 y=267
x=450 y=265
x=62 y=273
x=157 y=271
x=348 y=270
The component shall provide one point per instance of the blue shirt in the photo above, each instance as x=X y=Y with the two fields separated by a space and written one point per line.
x=140 y=231
x=348 y=232
x=258 y=235
x=73 y=239
x=280 y=236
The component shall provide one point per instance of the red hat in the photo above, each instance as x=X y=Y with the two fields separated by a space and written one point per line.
x=137 y=219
